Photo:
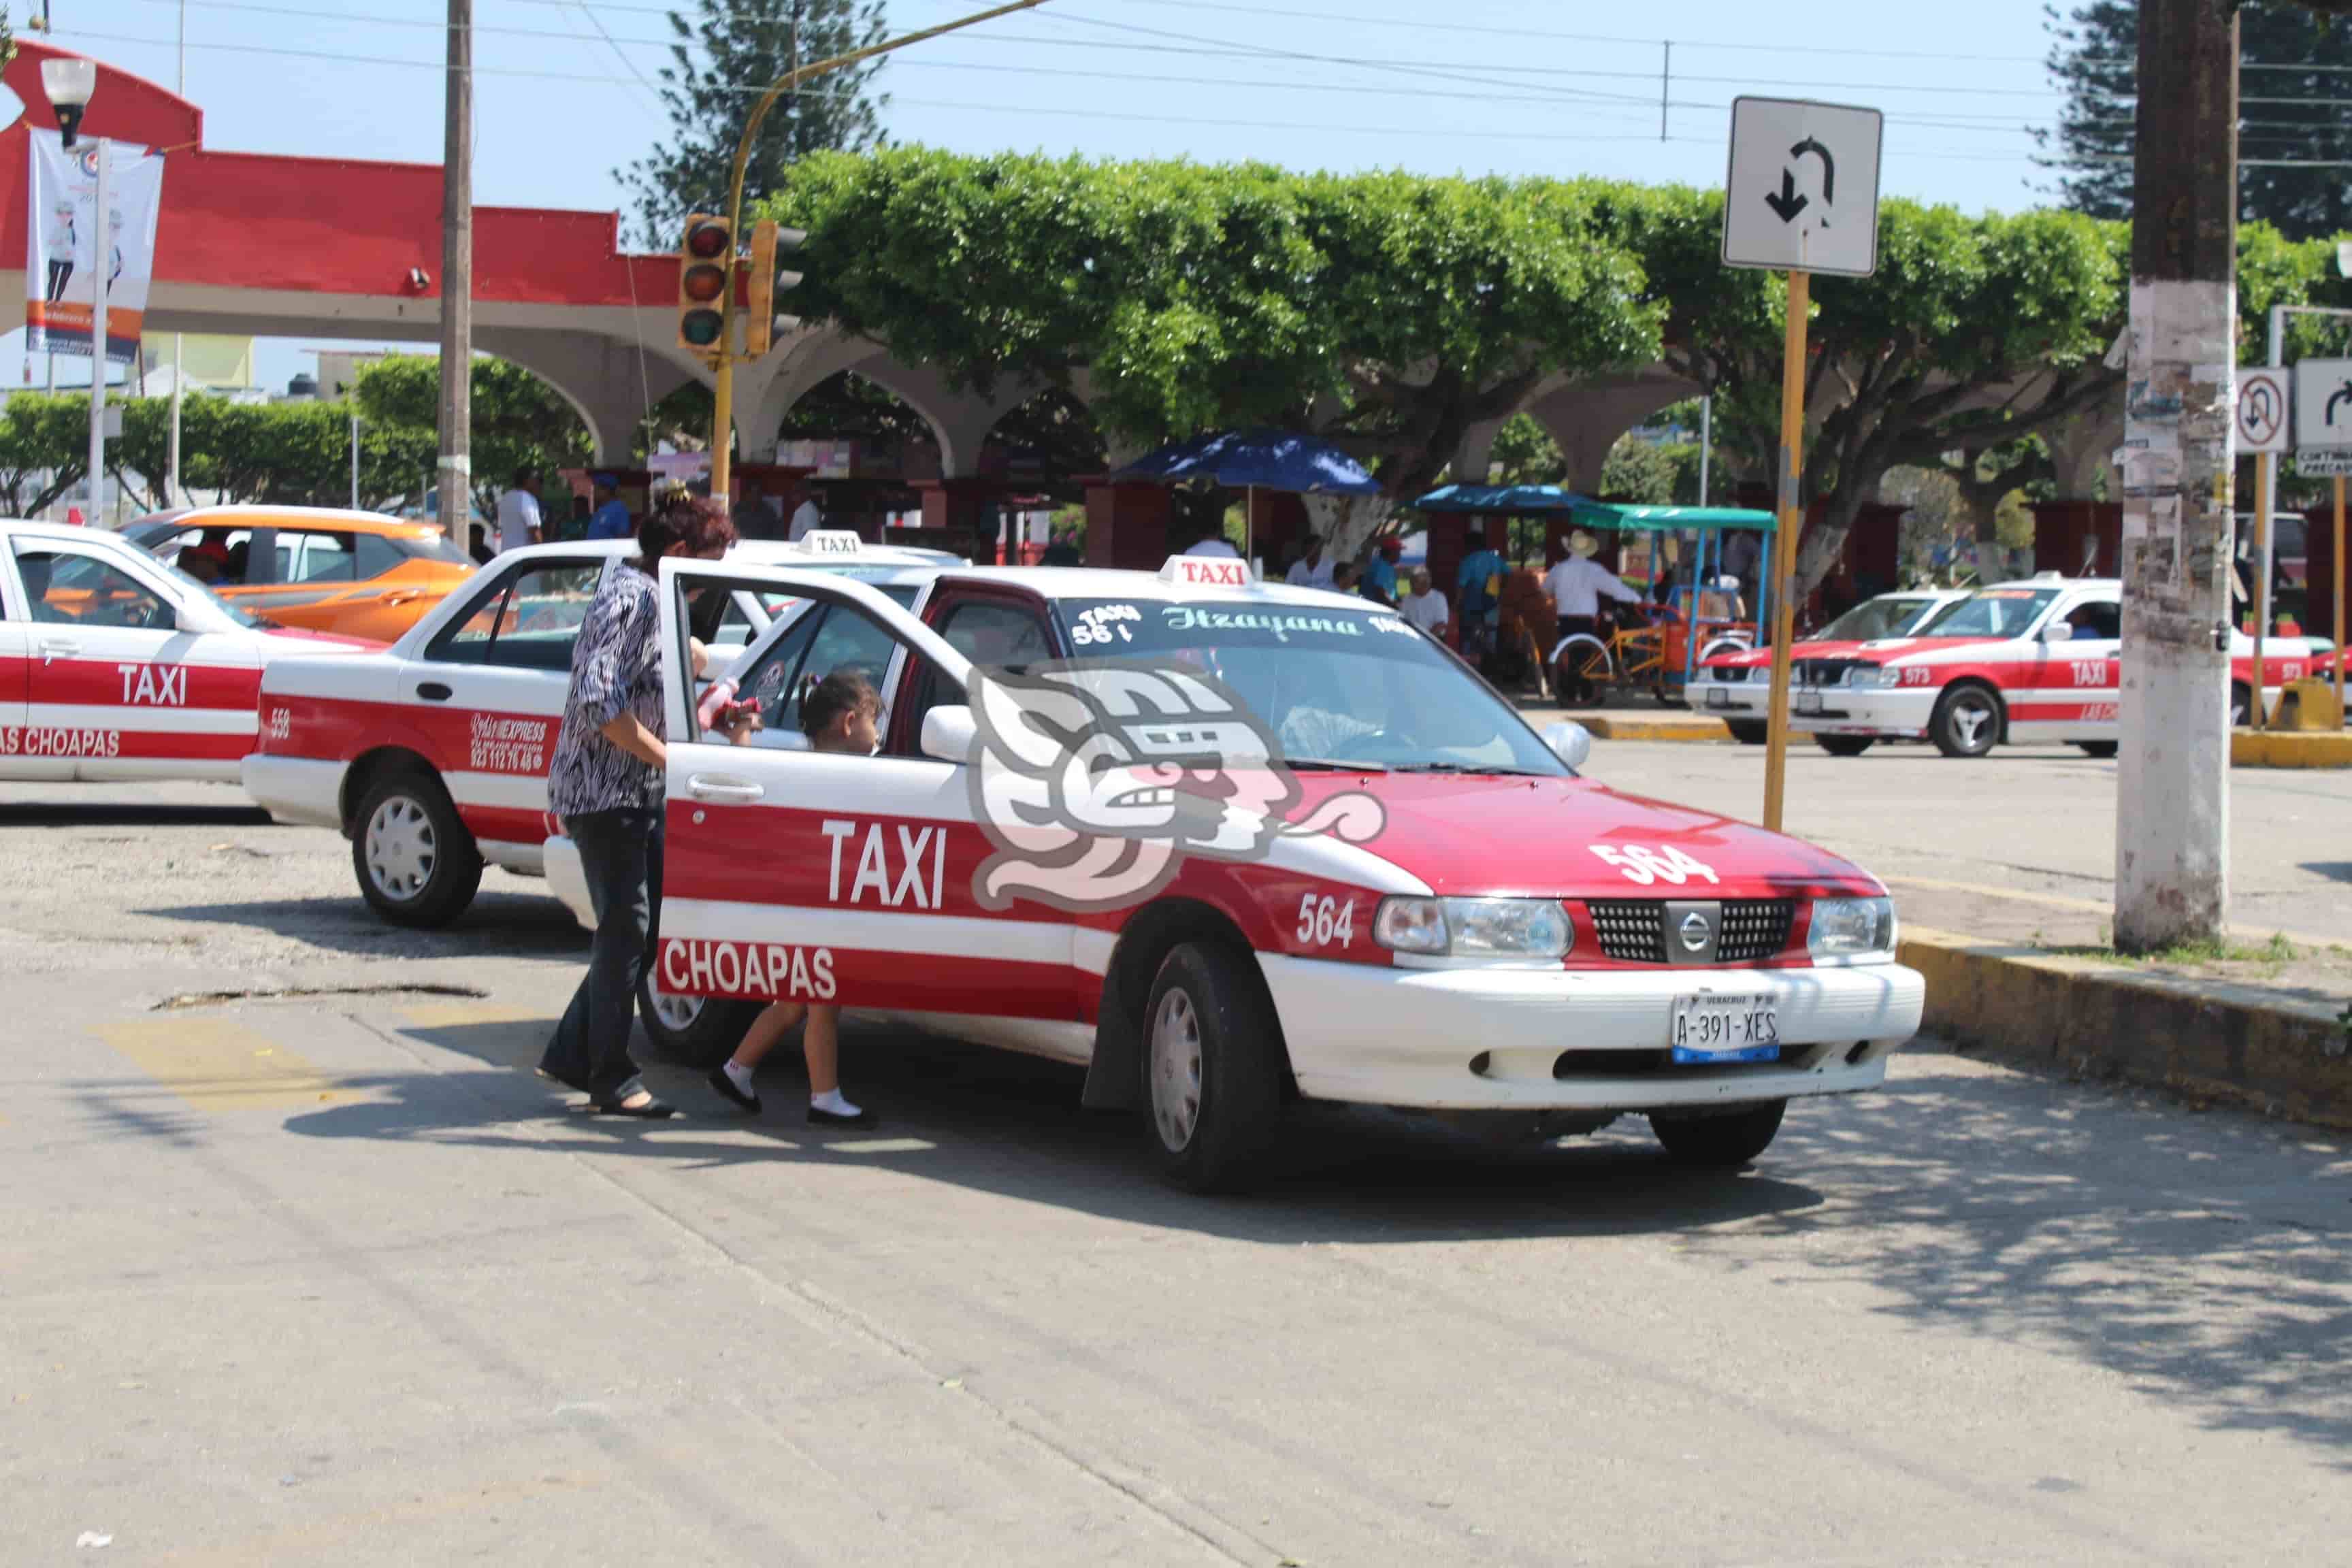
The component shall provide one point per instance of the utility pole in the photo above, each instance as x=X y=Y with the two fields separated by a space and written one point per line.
x=2172 y=782
x=455 y=477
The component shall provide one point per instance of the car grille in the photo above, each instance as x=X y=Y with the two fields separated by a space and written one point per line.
x=1824 y=672
x=1734 y=675
x=1633 y=930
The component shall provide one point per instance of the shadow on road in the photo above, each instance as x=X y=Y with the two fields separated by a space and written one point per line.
x=2204 y=1259
x=115 y=814
x=518 y=925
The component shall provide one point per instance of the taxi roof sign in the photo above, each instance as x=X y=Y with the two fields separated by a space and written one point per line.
x=831 y=542
x=1206 y=571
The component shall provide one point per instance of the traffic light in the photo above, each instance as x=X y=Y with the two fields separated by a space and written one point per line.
x=768 y=241
x=702 y=283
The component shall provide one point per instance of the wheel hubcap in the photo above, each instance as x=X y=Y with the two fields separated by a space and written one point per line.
x=1176 y=1071
x=1969 y=717
x=401 y=847
x=677 y=1013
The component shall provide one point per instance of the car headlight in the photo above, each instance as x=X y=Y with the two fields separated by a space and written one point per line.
x=1848 y=928
x=1886 y=675
x=1474 y=928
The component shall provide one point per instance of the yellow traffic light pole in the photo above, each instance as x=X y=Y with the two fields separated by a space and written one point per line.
x=723 y=412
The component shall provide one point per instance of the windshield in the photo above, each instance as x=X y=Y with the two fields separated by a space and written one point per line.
x=1890 y=616
x=1336 y=687
x=1993 y=613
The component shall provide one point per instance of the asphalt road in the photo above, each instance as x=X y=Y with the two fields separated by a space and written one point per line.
x=300 y=1265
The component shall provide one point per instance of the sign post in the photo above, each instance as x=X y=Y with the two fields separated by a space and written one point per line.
x=1781 y=213
x=2260 y=428
x=2323 y=445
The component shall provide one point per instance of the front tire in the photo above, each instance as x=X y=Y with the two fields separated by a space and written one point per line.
x=1213 y=1067
x=1967 y=721
x=2099 y=749
x=700 y=1031
x=417 y=864
x=1722 y=1142
x=1749 y=731
x=2242 y=705
x=1845 y=745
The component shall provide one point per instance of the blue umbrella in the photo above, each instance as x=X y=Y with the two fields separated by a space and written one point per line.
x=1512 y=501
x=1249 y=461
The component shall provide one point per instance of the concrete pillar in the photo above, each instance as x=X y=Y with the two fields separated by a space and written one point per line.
x=2078 y=538
x=1127 y=525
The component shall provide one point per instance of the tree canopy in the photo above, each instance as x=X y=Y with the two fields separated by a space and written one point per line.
x=2293 y=66
x=518 y=421
x=721 y=61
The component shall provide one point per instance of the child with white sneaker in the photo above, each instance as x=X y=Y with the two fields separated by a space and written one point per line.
x=839 y=715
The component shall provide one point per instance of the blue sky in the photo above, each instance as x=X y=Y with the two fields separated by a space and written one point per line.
x=1516 y=87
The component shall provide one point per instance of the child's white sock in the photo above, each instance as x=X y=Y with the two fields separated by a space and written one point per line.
x=738 y=1075
x=831 y=1100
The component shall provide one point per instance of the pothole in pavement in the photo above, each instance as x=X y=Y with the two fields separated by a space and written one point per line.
x=306 y=993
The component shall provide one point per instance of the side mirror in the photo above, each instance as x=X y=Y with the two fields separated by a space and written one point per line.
x=2058 y=631
x=1572 y=743
x=949 y=734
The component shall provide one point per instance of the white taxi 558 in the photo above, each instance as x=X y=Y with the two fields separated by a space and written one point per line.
x=1231 y=844
x=431 y=755
x=112 y=666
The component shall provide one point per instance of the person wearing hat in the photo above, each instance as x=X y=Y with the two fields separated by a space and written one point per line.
x=1577 y=586
x=611 y=518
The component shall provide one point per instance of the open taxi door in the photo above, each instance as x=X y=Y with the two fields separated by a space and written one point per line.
x=795 y=875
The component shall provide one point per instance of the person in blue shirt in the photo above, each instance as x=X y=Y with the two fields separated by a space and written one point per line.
x=1380 y=573
x=611 y=518
x=1480 y=606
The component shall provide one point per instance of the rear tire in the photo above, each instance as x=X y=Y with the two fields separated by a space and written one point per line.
x=700 y=1031
x=1845 y=745
x=417 y=864
x=1967 y=720
x=1213 y=1067
x=1749 y=731
x=2242 y=705
x=2100 y=749
x=1719 y=1142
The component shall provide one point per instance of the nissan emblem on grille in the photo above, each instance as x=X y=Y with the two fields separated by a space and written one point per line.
x=1696 y=931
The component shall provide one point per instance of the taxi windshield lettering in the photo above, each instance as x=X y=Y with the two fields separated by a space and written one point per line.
x=1279 y=624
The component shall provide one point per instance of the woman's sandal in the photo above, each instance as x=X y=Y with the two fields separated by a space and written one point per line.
x=651 y=1110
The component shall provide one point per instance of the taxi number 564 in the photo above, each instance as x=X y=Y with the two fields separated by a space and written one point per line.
x=1324 y=922
x=1646 y=866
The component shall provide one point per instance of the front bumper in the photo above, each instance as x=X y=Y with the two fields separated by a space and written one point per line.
x=301 y=789
x=1898 y=713
x=1407 y=1037
x=1728 y=699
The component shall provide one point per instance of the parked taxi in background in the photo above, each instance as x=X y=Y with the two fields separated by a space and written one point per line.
x=114 y=667
x=2016 y=663
x=1736 y=686
x=1422 y=905
x=356 y=573
x=431 y=755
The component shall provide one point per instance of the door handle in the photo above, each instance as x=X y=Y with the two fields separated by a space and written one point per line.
x=432 y=692
x=58 y=647
x=721 y=790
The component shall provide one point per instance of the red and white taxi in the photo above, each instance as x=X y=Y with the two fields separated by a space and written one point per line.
x=1490 y=933
x=113 y=667
x=2036 y=660
x=431 y=755
x=1736 y=686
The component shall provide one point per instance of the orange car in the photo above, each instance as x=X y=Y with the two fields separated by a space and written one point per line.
x=355 y=574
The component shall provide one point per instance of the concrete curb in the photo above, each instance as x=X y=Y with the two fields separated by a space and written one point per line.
x=2290 y=749
x=1605 y=727
x=2210 y=1039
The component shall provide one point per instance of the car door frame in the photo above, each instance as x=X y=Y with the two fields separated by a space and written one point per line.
x=219 y=730
x=947 y=594
x=1006 y=973
x=2062 y=707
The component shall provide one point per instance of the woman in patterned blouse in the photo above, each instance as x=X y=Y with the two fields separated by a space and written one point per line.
x=606 y=781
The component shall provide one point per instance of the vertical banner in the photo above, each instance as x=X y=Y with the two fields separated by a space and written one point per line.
x=60 y=227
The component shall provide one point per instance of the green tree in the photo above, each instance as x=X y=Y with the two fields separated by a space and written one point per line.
x=721 y=61
x=1973 y=333
x=1387 y=311
x=44 y=449
x=518 y=421
x=2291 y=114
x=1524 y=454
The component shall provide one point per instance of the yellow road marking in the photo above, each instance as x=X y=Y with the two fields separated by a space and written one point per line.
x=443 y=1014
x=217 y=1064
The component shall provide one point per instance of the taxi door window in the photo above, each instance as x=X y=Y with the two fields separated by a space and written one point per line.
x=68 y=588
x=529 y=621
x=990 y=633
x=2099 y=621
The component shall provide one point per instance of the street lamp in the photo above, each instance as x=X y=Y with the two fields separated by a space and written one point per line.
x=69 y=81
